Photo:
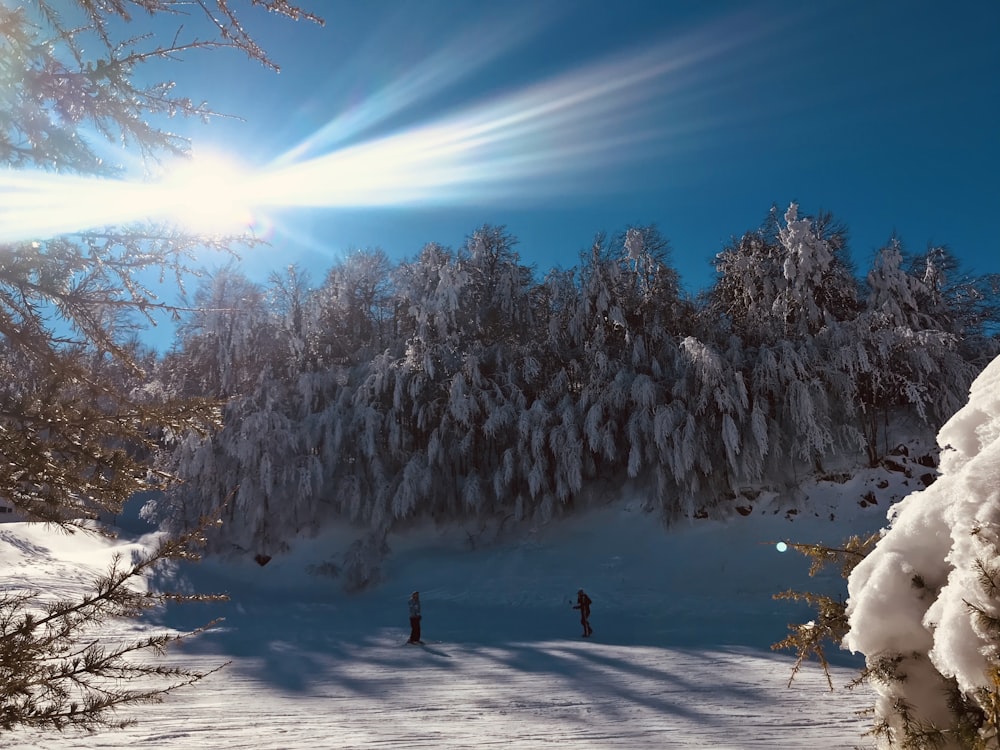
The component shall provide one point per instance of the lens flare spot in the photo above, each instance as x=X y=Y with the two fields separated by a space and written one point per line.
x=781 y=547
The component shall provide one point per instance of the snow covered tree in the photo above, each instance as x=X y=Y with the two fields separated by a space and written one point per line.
x=429 y=290
x=818 y=286
x=785 y=280
x=261 y=472
x=961 y=303
x=497 y=298
x=923 y=601
x=622 y=332
x=708 y=450
x=460 y=385
x=747 y=280
x=73 y=443
x=350 y=314
x=226 y=339
x=288 y=297
x=900 y=355
x=782 y=291
x=924 y=605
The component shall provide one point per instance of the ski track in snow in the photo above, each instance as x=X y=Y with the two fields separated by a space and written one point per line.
x=377 y=694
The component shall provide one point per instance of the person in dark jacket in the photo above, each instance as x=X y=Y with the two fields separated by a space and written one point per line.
x=415 y=618
x=583 y=604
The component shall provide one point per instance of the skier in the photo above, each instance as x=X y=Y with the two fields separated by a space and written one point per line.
x=583 y=604
x=415 y=618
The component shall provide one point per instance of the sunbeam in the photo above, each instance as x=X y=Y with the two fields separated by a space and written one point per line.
x=550 y=137
x=211 y=195
x=477 y=46
x=565 y=125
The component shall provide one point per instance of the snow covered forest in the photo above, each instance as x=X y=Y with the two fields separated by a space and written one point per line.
x=460 y=385
x=455 y=402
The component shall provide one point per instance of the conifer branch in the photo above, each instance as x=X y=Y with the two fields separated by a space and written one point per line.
x=56 y=671
x=830 y=623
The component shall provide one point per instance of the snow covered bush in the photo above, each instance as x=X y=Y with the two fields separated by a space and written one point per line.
x=924 y=605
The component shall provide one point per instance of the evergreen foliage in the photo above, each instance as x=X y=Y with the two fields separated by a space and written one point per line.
x=924 y=595
x=829 y=626
x=967 y=719
x=58 y=671
x=82 y=418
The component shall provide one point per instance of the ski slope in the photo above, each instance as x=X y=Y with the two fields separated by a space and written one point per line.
x=680 y=658
x=376 y=694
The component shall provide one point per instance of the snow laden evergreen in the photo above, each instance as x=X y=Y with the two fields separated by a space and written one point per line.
x=457 y=385
x=902 y=352
x=781 y=294
x=924 y=605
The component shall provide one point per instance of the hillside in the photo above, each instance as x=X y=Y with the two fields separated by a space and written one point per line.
x=683 y=621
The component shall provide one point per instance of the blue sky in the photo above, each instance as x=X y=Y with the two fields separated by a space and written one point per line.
x=693 y=116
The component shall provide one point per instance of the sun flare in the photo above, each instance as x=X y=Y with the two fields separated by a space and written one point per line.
x=554 y=136
x=209 y=193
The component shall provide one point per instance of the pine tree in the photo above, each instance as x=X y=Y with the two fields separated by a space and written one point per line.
x=901 y=354
x=74 y=443
x=923 y=596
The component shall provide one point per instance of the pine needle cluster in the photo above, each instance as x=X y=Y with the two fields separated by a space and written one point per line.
x=829 y=626
x=59 y=669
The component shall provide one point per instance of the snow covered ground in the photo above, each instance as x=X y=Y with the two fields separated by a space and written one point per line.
x=683 y=621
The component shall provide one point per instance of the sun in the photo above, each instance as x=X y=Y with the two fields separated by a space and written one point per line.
x=209 y=193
